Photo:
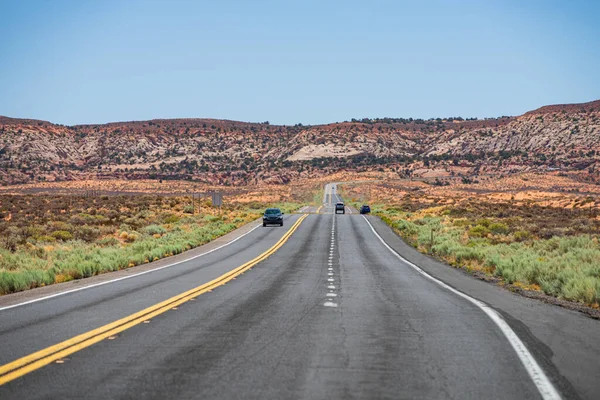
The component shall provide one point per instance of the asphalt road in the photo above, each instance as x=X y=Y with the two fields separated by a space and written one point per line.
x=331 y=314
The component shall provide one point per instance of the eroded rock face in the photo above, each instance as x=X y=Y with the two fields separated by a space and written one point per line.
x=229 y=152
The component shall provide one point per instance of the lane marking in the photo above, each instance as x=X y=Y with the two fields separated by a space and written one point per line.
x=330 y=287
x=330 y=304
x=128 y=276
x=41 y=358
x=330 y=294
x=319 y=209
x=536 y=373
x=330 y=279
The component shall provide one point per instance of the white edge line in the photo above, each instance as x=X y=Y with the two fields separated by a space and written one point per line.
x=126 y=277
x=539 y=378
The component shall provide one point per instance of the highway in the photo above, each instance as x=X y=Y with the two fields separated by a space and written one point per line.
x=326 y=307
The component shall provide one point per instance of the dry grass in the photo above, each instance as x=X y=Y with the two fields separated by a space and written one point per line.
x=535 y=232
x=52 y=238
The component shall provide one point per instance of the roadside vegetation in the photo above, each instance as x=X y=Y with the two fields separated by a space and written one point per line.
x=53 y=239
x=554 y=250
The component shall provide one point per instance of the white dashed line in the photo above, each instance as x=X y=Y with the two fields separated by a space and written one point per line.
x=330 y=269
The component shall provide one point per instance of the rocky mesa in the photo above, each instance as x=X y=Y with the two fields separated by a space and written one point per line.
x=560 y=137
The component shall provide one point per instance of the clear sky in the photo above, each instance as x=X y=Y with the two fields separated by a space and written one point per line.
x=308 y=61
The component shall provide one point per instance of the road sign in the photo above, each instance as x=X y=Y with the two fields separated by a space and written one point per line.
x=217 y=199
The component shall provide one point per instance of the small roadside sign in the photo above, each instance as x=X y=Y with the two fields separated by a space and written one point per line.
x=217 y=199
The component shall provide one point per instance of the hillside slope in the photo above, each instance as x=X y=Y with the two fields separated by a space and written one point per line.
x=565 y=137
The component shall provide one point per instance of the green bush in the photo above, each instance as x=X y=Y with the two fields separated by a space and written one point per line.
x=521 y=235
x=108 y=241
x=499 y=228
x=566 y=267
x=479 y=231
x=46 y=238
x=154 y=230
x=86 y=233
x=62 y=235
x=484 y=222
x=169 y=218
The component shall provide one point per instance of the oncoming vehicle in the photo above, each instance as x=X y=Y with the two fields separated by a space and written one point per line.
x=365 y=209
x=340 y=207
x=273 y=216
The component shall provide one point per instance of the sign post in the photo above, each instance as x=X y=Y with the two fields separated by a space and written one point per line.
x=217 y=200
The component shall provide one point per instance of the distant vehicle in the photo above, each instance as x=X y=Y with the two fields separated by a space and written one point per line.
x=273 y=216
x=365 y=209
x=340 y=207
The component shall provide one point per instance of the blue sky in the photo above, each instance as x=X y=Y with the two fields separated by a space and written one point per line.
x=307 y=61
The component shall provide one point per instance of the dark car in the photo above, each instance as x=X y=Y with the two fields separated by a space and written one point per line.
x=365 y=209
x=273 y=216
x=340 y=207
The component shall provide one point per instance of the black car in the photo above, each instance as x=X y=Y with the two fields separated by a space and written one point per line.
x=340 y=207
x=273 y=216
x=365 y=209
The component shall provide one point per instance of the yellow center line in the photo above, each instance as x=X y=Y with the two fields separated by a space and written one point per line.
x=319 y=209
x=34 y=361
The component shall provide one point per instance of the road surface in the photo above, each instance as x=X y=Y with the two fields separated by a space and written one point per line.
x=322 y=308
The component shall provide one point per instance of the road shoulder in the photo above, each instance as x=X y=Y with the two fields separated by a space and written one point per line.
x=563 y=341
x=77 y=284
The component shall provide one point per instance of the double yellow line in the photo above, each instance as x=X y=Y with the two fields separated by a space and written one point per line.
x=34 y=361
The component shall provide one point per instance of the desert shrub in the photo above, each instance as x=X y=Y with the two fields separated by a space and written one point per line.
x=211 y=218
x=484 y=222
x=35 y=231
x=86 y=233
x=461 y=222
x=90 y=225
x=154 y=230
x=21 y=280
x=521 y=235
x=407 y=227
x=479 y=231
x=128 y=237
x=46 y=238
x=12 y=238
x=62 y=235
x=108 y=241
x=168 y=218
x=188 y=209
x=135 y=222
x=499 y=228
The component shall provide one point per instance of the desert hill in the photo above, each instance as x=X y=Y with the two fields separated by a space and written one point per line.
x=565 y=138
